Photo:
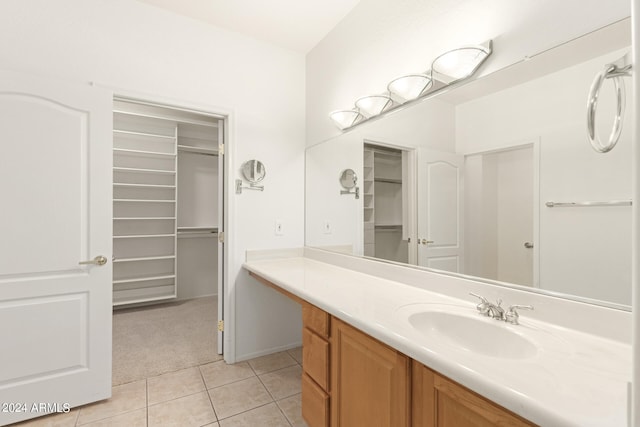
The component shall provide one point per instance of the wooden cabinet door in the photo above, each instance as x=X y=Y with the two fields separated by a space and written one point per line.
x=369 y=381
x=439 y=402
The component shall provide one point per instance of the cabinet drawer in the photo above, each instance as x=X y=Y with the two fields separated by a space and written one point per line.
x=315 y=403
x=315 y=358
x=315 y=319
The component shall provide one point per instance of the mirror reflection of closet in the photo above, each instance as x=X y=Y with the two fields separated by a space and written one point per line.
x=385 y=228
x=165 y=203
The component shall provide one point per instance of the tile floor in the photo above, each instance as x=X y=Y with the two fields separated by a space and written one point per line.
x=261 y=392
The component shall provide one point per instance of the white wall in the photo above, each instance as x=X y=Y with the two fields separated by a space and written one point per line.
x=583 y=251
x=136 y=48
x=382 y=39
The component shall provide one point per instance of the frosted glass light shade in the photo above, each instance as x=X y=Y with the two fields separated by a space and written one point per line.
x=410 y=87
x=345 y=118
x=460 y=63
x=373 y=105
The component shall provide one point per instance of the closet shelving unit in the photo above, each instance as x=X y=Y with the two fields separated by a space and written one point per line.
x=368 y=201
x=144 y=208
x=148 y=217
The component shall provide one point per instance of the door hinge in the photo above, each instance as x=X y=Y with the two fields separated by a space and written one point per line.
x=221 y=149
x=221 y=237
x=220 y=325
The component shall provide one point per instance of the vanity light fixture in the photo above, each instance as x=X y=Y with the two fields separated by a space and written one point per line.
x=461 y=63
x=346 y=118
x=450 y=67
x=410 y=87
x=373 y=105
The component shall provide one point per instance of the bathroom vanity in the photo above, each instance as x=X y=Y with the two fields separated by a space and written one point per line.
x=384 y=344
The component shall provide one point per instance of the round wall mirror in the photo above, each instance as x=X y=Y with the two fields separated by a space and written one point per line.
x=253 y=171
x=348 y=179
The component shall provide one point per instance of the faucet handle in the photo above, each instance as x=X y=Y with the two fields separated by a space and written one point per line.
x=484 y=305
x=512 y=315
x=483 y=299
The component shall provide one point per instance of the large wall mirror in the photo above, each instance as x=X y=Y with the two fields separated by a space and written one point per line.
x=493 y=179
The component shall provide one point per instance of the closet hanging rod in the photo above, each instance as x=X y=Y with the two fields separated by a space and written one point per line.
x=198 y=150
x=551 y=204
x=186 y=230
x=387 y=227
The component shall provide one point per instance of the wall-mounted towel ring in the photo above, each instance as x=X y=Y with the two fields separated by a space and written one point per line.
x=615 y=71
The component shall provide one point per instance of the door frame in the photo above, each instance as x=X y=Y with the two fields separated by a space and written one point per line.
x=225 y=312
x=535 y=143
x=412 y=191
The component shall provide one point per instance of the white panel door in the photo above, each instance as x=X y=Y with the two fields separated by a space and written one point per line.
x=440 y=195
x=55 y=181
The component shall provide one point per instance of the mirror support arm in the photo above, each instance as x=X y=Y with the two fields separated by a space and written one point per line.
x=355 y=191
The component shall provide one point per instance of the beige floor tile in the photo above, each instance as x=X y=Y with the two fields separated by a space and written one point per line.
x=124 y=398
x=292 y=409
x=68 y=419
x=193 y=410
x=284 y=382
x=296 y=353
x=264 y=416
x=238 y=397
x=136 y=418
x=272 y=362
x=174 y=385
x=219 y=373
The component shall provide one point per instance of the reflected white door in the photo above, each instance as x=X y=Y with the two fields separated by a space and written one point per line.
x=440 y=191
x=55 y=181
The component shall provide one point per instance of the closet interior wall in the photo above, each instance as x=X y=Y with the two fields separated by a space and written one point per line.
x=165 y=207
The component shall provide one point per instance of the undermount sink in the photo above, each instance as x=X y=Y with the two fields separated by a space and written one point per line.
x=473 y=333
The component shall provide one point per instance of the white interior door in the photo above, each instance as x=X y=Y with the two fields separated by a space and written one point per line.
x=55 y=181
x=440 y=202
x=221 y=228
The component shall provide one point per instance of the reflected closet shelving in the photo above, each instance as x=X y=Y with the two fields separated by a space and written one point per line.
x=165 y=187
x=383 y=203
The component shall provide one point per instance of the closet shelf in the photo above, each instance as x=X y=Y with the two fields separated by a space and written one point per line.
x=169 y=119
x=146 y=134
x=143 y=279
x=143 y=236
x=127 y=185
x=146 y=218
x=144 y=258
x=149 y=171
x=143 y=201
x=142 y=152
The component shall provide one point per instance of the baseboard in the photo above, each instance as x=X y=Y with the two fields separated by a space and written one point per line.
x=266 y=352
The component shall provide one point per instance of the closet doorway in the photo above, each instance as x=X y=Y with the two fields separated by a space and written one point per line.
x=168 y=253
x=388 y=188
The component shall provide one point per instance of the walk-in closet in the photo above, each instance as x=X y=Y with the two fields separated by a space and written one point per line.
x=165 y=208
x=384 y=204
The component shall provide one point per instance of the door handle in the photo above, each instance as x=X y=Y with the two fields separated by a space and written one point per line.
x=528 y=245
x=426 y=242
x=99 y=260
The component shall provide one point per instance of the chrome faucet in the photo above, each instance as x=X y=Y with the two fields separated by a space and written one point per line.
x=495 y=311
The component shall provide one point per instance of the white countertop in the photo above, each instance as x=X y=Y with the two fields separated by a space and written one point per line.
x=573 y=379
